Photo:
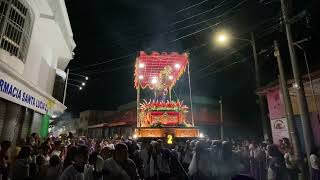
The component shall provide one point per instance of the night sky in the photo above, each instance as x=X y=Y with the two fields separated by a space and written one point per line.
x=109 y=35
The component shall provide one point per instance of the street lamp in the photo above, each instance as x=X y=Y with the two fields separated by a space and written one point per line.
x=85 y=77
x=82 y=83
x=222 y=38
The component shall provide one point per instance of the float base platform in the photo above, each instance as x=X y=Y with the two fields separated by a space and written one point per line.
x=163 y=132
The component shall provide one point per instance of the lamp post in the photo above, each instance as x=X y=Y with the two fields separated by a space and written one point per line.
x=289 y=111
x=82 y=83
x=221 y=119
x=301 y=97
x=223 y=38
x=65 y=87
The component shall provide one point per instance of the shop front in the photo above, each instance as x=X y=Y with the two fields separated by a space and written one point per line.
x=23 y=106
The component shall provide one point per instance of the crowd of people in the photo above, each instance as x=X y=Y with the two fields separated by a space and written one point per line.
x=82 y=158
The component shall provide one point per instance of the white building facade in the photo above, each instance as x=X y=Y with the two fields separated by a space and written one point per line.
x=36 y=45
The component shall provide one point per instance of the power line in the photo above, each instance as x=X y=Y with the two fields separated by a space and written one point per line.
x=175 y=30
x=200 y=30
x=131 y=54
x=204 y=21
x=192 y=6
x=232 y=64
x=108 y=70
x=233 y=51
x=221 y=59
x=226 y=67
x=270 y=31
x=199 y=14
x=107 y=61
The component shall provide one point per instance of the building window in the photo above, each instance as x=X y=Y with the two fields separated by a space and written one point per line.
x=16 y=20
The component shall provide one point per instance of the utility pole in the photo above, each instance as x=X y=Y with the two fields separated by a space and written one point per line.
x=289 y=112
x=65 y=87
x=265 y=125
x=221 y=119
x=302 y=101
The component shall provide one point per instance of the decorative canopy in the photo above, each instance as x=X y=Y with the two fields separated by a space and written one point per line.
x=154 y=69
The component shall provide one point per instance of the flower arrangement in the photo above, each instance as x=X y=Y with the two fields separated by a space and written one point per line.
x=164 y=106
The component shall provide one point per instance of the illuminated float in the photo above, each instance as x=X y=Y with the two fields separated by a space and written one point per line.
x=159 y=115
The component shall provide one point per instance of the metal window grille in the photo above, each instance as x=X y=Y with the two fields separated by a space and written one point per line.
x=16 y=20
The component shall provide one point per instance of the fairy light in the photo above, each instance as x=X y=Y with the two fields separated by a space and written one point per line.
x=177 y=66
x=141 y=65
x=140 y=77
x=170 y=77
x=154 y=80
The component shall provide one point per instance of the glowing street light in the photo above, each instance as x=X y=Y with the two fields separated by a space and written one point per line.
x=83 y=83
x=80 y=88
x=87 y=78
x=222 y=38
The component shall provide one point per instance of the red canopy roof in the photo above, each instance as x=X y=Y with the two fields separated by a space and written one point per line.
x=148 y=67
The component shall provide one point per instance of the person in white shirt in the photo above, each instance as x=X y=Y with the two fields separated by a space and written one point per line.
x=187 y=155
x=291 y=164
x=56 y=149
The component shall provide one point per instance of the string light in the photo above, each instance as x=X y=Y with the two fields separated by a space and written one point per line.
x=170 y=77
x=154 y=80
x=177 y=66
x=141 y=65
x=140 y=77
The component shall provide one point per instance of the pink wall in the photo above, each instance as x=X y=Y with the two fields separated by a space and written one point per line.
x=275 y=104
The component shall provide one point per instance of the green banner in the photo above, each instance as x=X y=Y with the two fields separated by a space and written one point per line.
x=44 y=126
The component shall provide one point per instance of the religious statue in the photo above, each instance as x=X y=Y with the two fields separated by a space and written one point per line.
x=161 y=89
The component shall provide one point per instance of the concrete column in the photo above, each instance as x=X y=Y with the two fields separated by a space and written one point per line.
x=36 y=123
x=3 y=109
x=11 y=123
x=26 y=125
